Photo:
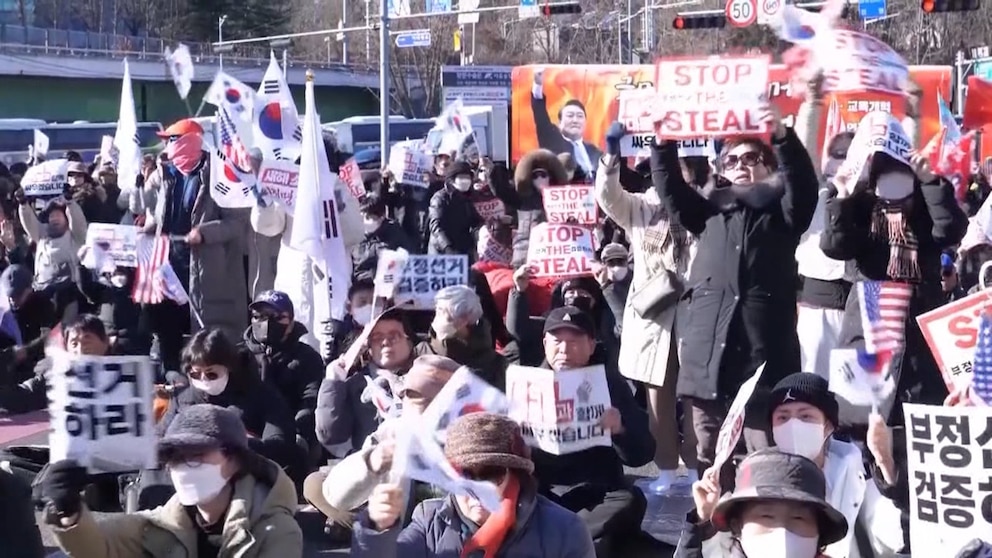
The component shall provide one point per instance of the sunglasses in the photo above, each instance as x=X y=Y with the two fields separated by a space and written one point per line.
x=538 y=174
x=203 y=374
x=749 y=159
x=494 y=475
x=76 y=175
x=390 y=338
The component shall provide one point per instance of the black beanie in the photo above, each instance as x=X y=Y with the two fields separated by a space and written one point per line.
x=457 y=168
x=805 y=387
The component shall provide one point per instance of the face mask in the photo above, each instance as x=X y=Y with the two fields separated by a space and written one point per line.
x=541 y=183
x=118 y=281
x=362 y=314
x=443 y=328
x=75 y=181
x=617 y=273
x=463 y=184
x=799 y=438
x=371 y=225
x=210 y=387
x=779 y=543
x=894 y=185
x=268 y=332
x=583 y=303
x=185 y=152
x=196 y=485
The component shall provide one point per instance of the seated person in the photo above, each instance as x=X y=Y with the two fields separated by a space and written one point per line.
x=460 y=333
x=343 y=332
x=228 y=500
x=34 y=314
x=346 y=486
x=18 y=530
x=778 y=509
x=483 y=447
x=287 y=364
x=344 y=420
x=591 y=482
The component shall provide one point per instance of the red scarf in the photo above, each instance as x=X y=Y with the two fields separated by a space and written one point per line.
x=492 y=533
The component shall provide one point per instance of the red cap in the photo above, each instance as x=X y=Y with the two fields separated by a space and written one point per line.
x=181 y=128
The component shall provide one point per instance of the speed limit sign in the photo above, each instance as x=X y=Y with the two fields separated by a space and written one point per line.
x=742 y=13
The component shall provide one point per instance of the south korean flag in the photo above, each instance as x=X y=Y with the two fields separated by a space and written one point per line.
x=230 y=188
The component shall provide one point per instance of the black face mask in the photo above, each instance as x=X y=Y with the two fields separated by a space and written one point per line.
x=583 y=303
x=268 y=331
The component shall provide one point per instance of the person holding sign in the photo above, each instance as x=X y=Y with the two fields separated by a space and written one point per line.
x=739 y=306
x=380 y=234
x=893 y=225
x=452 y=219
x=481 y=447
x=228 y=499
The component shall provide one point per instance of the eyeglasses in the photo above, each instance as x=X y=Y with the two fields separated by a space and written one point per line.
x=386 y=338
x=494 y=475
x=539 y=174
x=749 y=159
x=203 y=374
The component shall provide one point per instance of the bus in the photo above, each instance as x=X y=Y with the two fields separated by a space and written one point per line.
x=362 y=132
x=83 y=138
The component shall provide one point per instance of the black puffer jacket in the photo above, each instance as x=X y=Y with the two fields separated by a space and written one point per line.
x=389 y=236
x=451 y=221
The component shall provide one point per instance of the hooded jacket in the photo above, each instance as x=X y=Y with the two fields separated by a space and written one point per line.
x=529 y=203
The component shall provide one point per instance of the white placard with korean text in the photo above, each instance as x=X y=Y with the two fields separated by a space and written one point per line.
x=424 y=275
x=951 y=332
x=560 y=412
x=561 y=250
x=856 y=62
x=119 y=242
x=101 y=412
x=574 y=203
x=878 y=132
x=636 y=112
x=711 y=97
x=409 y=163
x=949 y=456
x=277 y=180
x=45 y=179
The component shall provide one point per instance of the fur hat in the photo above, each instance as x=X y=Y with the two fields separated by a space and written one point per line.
x=539 y=159
x=203 y=427
x=487 y=440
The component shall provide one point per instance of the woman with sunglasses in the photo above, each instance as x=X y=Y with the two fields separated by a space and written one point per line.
x=481 y=447
x=536 y=170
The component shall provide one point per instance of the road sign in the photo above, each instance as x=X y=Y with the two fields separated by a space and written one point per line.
x=769 y=11
x=438 y=6
x=470 y=17
x=528 y=9
x=411 y=39
x=742 y=13
x=984 y=70
x=871 y=9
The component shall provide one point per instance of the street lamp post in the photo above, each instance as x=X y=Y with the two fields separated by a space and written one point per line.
x=284 y=44
x=220 y=38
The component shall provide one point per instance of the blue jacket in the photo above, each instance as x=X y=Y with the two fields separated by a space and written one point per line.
x=543 y=530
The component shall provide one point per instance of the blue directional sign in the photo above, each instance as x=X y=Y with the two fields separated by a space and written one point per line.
x=438 y=6
x=871 y=9
x=528 y=8
x=412 y=39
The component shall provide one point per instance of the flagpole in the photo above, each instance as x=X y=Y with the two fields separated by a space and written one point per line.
x=189 y=108
x=203 y=103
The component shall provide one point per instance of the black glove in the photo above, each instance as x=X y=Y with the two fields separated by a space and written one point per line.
x=613 y=135
x=19 y=196
x=63 y=486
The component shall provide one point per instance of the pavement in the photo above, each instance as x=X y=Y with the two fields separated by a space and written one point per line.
x=661 y=526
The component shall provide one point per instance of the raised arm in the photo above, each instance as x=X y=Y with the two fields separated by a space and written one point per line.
x=949 y=220
x=801 y=181
x=683 y=203
x=617 y=203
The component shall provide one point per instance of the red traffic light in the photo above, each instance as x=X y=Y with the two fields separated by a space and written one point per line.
x=699 y=21
x=561 y=8
x=944 y=6
x=679 y=23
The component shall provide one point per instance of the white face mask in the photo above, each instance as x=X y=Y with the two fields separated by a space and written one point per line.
x=463 y=184
x=541 y=183
x=118 y=281
x=894 y=185
x=362 y=314
x=617 y=273
x=371 y=225
x=799 y=438
x=443 y=328
x=196 y=485
x=210 y=387
x=779 y=543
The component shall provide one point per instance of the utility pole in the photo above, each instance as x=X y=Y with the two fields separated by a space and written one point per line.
x=220 y=38
x=384 y=79
x=344 y=40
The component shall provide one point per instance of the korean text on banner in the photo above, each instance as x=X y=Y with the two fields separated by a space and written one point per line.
x=575 y=203
x=711 y=97
x=101 y=412
x=950 y=492
x=733 y=425
x=463 y=393
x=635 y=112
x=120 y=242
x=424 y=275
x=951 y=332
x=409 y=163
x=561 y=250
x=277 y=180
x=854 y=62
x=878 y=132
x=46 y=179
x=560 y=412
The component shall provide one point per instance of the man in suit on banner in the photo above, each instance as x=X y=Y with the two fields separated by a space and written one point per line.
x=567 y=136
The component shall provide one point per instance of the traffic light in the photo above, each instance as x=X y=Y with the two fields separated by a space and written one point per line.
x=704 y=21
x=561 y=8
x=940 y=6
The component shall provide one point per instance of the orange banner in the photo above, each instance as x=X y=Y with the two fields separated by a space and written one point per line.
x=597 y=88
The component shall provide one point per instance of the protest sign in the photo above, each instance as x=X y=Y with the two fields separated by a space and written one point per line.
x=575 y=203
x=853 y=61
x=878 y=132
x=463 y=393
x=409 y=163
x=120 y=242
x=278 y=180
x=351 y=175
x=424 y=275
x=101 y=412
x=951 y=332
x=490 y=249
x=560 y=250
x=733 y=425
x=560 y=412
x=45 y=179
x=712 y=97
x=491 y=209
x=949 y=489
x=860 y=379
x=636 y=112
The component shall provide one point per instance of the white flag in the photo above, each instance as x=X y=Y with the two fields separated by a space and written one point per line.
x=126 y=138
x=180 y=68
x=276 y=123
x=239 y=97
x=40 y=143
x=455 y=127
x=229 y=188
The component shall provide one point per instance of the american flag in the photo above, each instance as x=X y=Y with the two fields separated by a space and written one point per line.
x=153 y=253
x=231 y=147
x=981 y=379
x=884 y=308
